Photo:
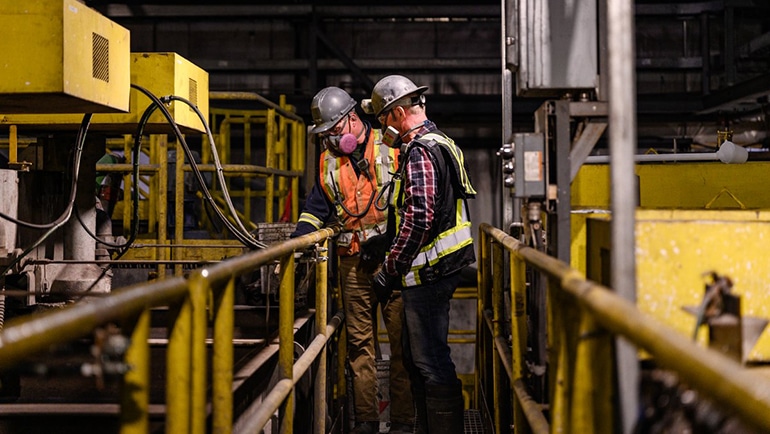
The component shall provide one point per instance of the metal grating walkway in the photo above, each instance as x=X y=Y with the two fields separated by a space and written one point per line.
x=473 y=423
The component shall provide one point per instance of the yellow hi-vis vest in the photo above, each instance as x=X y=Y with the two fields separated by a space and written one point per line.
x=343 y=186
x=450 y=246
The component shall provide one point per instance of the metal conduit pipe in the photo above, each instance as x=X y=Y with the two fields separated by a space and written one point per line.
x=710 y=372
x=622 y=135
x=263 y=411
x=728 y=153
x=648 y=158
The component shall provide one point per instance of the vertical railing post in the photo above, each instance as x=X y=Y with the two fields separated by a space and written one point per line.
x=298 y=164
x=483 y=278
x=199 y=289
x=270 y=158
x=247 y=159
x=128 y=184
x=593 y=383
x=281 y=152
x=135 y=396
x=222 y=363
x=286 y=339
x=340 y=389
x=178 y=368
x=518 y=333
x=178 y=204
x=498 y=375
x=321 y=309
x=162 y=180
x=558 y=361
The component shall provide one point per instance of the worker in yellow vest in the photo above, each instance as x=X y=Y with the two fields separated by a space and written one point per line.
x=354 y=166
x=432 y=244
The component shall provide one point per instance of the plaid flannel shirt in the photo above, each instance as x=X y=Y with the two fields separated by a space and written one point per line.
x=420 y=186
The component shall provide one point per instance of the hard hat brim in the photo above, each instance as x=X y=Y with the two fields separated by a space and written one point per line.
x=419 y=91
x=326 y=126
x=321 y=128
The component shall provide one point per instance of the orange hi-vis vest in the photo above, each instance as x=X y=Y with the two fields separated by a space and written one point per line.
x=340 y=183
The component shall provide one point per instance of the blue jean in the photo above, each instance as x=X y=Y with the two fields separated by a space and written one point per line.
x=425 y=329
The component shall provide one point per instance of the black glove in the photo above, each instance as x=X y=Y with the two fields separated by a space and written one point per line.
x=383 y=286
x=373 y=253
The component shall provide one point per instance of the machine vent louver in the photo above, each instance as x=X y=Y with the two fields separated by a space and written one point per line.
x=101 y=57
x=193 y=93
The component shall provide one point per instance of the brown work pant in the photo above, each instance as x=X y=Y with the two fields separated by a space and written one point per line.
x=360 y=321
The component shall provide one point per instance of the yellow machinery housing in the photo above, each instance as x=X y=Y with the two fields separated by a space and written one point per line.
x=694 y=218
x=43 y=44
x=162 y=74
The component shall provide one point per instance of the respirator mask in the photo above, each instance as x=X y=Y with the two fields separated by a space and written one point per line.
x=343 y=144
x=391 y=137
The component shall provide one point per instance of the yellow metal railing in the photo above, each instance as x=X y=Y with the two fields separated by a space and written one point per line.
x=582 y=318
x=273 y=150
x=208 y=291
x=283 y=135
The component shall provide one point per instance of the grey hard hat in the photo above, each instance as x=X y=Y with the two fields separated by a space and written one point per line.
x=329 y=105
x=389 y=91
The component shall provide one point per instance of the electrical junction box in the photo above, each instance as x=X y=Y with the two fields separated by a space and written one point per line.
x=553 y=45
x=60 y=56
x=530 y=168
x=161 y=74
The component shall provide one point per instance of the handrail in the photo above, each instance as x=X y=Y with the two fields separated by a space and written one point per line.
x=273 y=400
x=186 y=355
x=715 y=375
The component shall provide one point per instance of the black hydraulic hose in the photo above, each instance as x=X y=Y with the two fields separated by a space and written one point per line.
x=136 y=154
x=199 y=177
x=217 y=164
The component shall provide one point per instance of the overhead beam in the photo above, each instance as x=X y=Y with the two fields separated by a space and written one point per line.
x=272 y=65
x=133 y=10
x=742 y=96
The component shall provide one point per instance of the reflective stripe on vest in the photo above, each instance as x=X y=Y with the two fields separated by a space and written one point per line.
x=447 y=242
x=310 y=219
x=457 y=156
x=345 y=238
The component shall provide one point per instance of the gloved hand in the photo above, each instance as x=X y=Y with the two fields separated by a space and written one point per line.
x=383 y=286
x=373 y=253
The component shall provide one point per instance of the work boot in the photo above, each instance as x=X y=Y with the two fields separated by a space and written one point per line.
x=372 y=427
x=445 y=408
x=420 y=411
x=401 y=428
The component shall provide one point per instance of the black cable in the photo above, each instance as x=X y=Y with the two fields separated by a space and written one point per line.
x=217 y=164
x=67 y=210
x=388 y=187
x=338 y=201
x=136 y=154
x=246 y=240
x=80 y=141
